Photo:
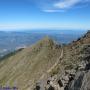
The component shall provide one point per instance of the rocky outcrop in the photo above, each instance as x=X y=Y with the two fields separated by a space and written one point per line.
x=82 y=77
x=57 y=82
x=81 y=81
x=86 y=81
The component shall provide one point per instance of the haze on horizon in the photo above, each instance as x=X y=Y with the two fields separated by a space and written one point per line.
x=44 y=14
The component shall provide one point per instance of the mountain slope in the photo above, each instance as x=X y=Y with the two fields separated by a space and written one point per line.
x=25 y=67
x=48 y=66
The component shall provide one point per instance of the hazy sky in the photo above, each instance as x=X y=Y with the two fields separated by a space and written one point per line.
x=44 y=14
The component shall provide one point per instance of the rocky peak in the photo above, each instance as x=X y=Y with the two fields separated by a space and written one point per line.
x=87 y=35
x=46 y=42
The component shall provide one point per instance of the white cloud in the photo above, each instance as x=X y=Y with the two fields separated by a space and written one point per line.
x=48 y=10
x=51 y=10
x=62 y=5
x=65 y=4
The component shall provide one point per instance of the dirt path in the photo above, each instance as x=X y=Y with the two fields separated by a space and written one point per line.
x=56 y=63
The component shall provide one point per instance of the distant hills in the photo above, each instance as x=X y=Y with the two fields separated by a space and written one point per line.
x=48 y=65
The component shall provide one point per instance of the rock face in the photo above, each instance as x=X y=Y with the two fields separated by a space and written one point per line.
x=81 y=81
x=86 y=82
x=82 y=77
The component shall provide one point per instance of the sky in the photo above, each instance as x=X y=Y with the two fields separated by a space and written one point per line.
x=44 y=14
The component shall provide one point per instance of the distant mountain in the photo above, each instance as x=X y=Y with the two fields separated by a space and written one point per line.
x=48 y=65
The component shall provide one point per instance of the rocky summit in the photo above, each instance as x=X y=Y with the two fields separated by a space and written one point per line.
x=48 y=66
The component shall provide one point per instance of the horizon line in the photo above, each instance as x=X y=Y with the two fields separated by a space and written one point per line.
x=42 y=29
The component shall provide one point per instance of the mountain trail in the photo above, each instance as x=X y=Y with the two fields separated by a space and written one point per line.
x=56 y=63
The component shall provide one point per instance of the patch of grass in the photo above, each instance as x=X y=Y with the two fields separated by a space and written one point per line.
x=68 y=67
x=55 y=71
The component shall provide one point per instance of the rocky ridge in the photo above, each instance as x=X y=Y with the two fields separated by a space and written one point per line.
x=73 y=71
